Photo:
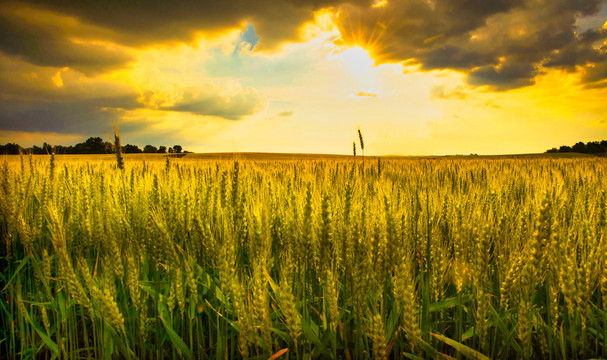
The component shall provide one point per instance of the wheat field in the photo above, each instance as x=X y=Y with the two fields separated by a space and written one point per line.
x=318 y=258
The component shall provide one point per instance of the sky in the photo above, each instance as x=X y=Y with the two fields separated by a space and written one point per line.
x=418 y=77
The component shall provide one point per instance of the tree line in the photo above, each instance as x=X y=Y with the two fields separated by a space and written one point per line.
x=93 y=145
x=592 y=147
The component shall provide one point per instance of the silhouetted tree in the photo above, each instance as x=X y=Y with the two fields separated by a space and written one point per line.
x=36 y=150
x=594 y=147
x=10 y=149
x=553 y=150
x=580 y=147
x=149 y=149
x=177 y=148
x=47 y=148
x=162 y=149
x=131 y=149
x=93 y=145
x=60 y=149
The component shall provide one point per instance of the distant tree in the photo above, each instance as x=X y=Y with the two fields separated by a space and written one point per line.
x=10 y=149
x=149 y=149
x=92 y=145
x=131 y=149
x=59 y=149
x=580 y=147
x=108 y=147
x=594 y=147
x=80 y=148
x=553 y=150
x=36 y=150
x=47 y=148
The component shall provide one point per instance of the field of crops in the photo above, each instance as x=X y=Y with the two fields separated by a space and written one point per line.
x=334 y=258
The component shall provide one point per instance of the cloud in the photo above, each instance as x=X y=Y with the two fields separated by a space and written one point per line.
x=440 y=92
x=136 y=23
x=49 y=99
x=94 y=115
x=211 y=101
x=59 y=58
x=595 y=76
x=285 y=113
x=59 y=102
x=504 y=76
x=21 y=81
x=453 y=57
x=367 y=94
x=64 y=117
x=499 y=43
x=493 y=40
x=94 y=37
x=49 y=39
x=57 y=79
x=27 y=138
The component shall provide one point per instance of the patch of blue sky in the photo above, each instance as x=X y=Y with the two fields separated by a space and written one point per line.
x=594 y=21
x=260 y=70
x=248 y=36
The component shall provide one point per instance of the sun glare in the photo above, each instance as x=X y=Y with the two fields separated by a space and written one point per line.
x=356 y=59
x=379 y=3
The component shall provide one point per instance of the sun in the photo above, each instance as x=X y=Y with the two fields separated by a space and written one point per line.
x=356 y=60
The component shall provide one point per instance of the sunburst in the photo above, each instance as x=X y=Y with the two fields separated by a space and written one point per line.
x=373 y=36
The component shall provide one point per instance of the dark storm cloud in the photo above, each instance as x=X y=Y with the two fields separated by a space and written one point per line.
x=25 y=82
x=586 y=54
x=481 y=37
x=31 y=101
x=90 y=116
x=501 y=44
x=140 y=22
x=87 y=118
x=596 y=76
x=453 y=57
x=48 y=39
x=403 y=29
x=42 y=98
x=504 y=77
x=43 y=31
